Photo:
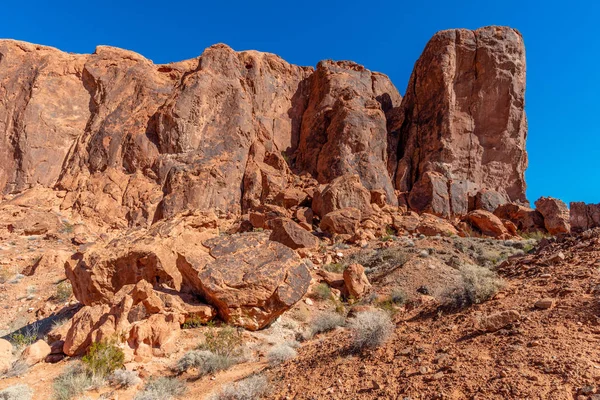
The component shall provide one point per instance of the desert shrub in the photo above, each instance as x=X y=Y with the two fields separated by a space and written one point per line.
x=281 y=353
x=64 y=290
x=334 y=267
x=18 y=368
x=321 y=292
x=381 y=261
x=479 y=285
x=123 y=378
x=16 y=392
x=205 y=361
x=371 y=329
x=536 y=235
x=251 y=388
x=103 y=358
x=163 y=388
x=5 y=274
x=193 y=322
x=72 y=383
x=25 y=336
x=326 y=321
x=224 y=341
x=398 y=296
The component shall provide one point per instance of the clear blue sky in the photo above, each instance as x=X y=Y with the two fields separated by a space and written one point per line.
x=561 y=38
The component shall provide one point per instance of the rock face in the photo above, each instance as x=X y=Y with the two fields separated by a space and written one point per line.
x=556 y=215
x=132 y=142
x=463 y=128
x=584 y=216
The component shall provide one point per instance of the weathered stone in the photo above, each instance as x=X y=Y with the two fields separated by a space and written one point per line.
x=344 y=191
x=289 y=233
x=526 y=219
x=344 y=221
x=430 y=225
x=272 y=276
x=556 y=215
x=488 y=224
x=584 y=216
x=499 y=320
x=544 y=304
x=356 y=281
x=5 y=355
x=35 y=352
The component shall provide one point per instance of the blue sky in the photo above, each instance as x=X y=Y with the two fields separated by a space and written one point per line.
x=561 y=39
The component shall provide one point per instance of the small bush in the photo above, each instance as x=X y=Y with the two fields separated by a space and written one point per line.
x=251 y=388
x=371 y=329
x=335 y=267
x=25 y=336
x=124 y=379
x=205 y=361
x=72 y=383
x=326 y=321
x=16 y=392
x=103 y=358
x=19 y=368
x=224 y=341
x=321 y=292
x=480 y=284
x=398 y=296
x=192 y=322
x=64 y=290
x=163 y=388
x=281 y=353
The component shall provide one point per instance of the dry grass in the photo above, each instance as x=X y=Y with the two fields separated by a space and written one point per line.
x=371 y=329
x=16 y=392
x=280 y=354
x=163 y=388
x=251 y=388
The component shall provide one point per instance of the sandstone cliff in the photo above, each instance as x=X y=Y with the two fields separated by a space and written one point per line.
x=132 y=142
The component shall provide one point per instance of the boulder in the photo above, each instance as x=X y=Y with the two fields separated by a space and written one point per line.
x=343 y=192
x=556 y=215
x=584 y=216
x=462 y=127
x=252 y=280
x=35 y=352
x=489 y=200
x=290 y=197
x=304 y=216
x=495 y=322
x=356 y=281
x=488 y=224
x=289 y=233
x=430 y=225
x=525 y=219
x=6 y=357
x=344 y=221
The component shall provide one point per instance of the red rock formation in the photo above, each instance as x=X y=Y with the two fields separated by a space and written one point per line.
x=584 y=216
x=133 y=142
x=463 y=128
x=555 y=213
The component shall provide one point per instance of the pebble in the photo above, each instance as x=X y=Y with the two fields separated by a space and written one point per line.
x=308 y=301
x=544 y=304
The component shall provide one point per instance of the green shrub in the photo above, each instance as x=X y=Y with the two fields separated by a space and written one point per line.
x=224 y=341
x=334 y=267
x=321 y=292
x=103 y=358
x=25 y=336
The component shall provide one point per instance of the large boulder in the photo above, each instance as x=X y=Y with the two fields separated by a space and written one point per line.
x=488 y=224
x=356 y=281
x=430 y=225
x=252 y=280
x=344 y=221
x=6 y=357
x=556 y=215
x=524 y=218
x=35 y=352
x=463 y=123
x=289 y=233
x=584 y=216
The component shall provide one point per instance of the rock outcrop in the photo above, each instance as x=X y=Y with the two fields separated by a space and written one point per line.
x=131 y=142
x=556 y=215
x=462 y=128
x=584 y=216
